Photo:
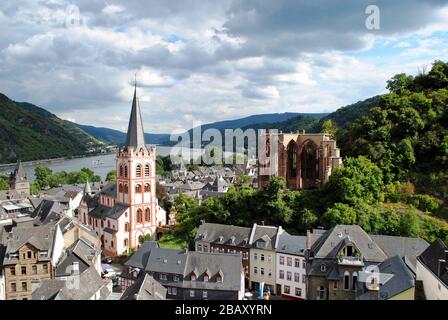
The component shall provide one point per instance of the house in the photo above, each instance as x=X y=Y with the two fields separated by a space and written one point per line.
x=262 y=261
x=221 y=238
x=432 y=270
x=189 y=275
x=126 y=211
x=145 y=288
x=30 y=255
x=339 y=259
x=86 y=285
x=291 y=265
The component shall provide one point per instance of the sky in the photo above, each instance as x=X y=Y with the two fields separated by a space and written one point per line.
x=208 y=61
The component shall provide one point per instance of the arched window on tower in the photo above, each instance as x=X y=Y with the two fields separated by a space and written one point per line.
x=138 y=171
x=125 y=171
x=126 y=227
x=138 y=188
x=121 y=170
x=309 y=161
x=126 y=190
x=147 y=187
x=292 y=159
x=139 y=216
x=120 y=188
x=125 y=242
x=147 y=215
x=147 y=170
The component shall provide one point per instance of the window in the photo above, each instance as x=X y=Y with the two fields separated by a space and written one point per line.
x=13 y=271
x=162 y=276
x=34 y=269
x=138 y=171
x=323 y=267
x=120 y=188
x=204 y=294
x=176 y=278
x=125 y=242
x=147 y=187
x=45 y=268
x=296 y=277
x=108 y=223
x=292 y=159
x=102 y=223
x=287 y=289
x=24 y=286
x=255 y=270
x=121 y=170
x=335 y=284
x=298 y=292
x=29 y=253
x=282 y=274
x=282 y=260
x=289 y=276
x=262 y=257
x=23 y=270
x=125 y=171
x=245 y=255
x=255 y=256
x=262 y=271
x=126 y=226
x=112 y=244
x=139 y=216
x=193 y=277
x=147 y=215
x=218 y=278
x=320 y=293
x=147 y=171
x=354 y=280
x=297 y=263
x=126 y=189
x=289 y=261
x=13 y=287
x=303 y=278
x=191 y=293
x=269 y=258
x=206 y=277
x=303 y=263
x=346 y=280
x=172 y=291
x=138 y=188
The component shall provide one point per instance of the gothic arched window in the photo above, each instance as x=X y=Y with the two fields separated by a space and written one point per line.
x=120 y=188
x=125 y=171
x=121 y=170
x=147 y=187
x=309 y=161
x=147 y=215
x=139 y=216
x=126 y=226
x=125 y=242
x=138 y=171
x=138 y=188
x=126 y=190
x=147 y=170
x=292 y=159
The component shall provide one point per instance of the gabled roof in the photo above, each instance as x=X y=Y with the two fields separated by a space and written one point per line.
x=431 y=256
x=110 y=189
x=166 y=260
x=210 y=232
x=330 y=242
x=267 y=234
x=402 y=279
x=145 y=288
x=140 y=258
x=289 y=244
x=47 y=211
x=135 y=137
x=102 y=212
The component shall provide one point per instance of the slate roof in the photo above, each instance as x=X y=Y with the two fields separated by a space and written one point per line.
x=211 y=232
x=47 y=211
x=135 y=136
x=403 y=246
x=329 y=244
x=145 y=288
x=228 y=265
x=140 y=258
x=431 y=256
x=264 y=233
x=90 y=282
x=102 y=212
x=110 y=189
x=402 y=279
x=289 y=244
x=166 y=261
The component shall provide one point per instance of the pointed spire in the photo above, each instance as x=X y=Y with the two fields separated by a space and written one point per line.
x=19 y=172
x=135 y=137
x=87 y=189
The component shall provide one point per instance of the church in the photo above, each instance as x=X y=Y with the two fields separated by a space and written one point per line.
x=304 y=160
x=126 y=211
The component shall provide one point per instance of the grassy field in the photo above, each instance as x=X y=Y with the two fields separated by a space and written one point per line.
x=170 y=241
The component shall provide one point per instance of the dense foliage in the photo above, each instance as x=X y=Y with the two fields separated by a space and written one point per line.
x=45 y=178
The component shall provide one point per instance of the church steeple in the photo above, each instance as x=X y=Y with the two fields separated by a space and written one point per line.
x=135 y=137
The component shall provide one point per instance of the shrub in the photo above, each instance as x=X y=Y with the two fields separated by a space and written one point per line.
x=424 y=202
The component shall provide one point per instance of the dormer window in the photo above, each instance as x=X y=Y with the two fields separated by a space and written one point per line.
x=261 y=244
x=206 y=277
x=193 y=276
x=219 y=276
x=323 y=267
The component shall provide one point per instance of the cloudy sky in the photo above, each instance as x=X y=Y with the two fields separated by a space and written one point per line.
x=209 y=60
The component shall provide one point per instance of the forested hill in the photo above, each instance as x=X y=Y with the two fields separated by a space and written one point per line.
x=28 y=132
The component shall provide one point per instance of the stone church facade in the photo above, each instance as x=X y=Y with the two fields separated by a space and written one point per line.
x=304 y=160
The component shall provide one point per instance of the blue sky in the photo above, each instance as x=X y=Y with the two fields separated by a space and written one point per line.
x=209 y=60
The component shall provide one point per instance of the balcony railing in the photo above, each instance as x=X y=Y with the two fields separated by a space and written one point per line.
x=351 y=260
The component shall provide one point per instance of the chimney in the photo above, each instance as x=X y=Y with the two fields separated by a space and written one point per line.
x=442 y=267
x=308 y=240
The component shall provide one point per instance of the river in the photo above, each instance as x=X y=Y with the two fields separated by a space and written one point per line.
x=100 y=164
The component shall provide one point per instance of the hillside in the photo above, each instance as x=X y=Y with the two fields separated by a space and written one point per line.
x=30 y=133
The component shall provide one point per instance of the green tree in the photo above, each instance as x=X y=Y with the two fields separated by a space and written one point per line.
x=43 y=175
x=399 y=83
x=340 y=213
x=4 y=182
x=328 y=127
x=409 y=224
x=111 y=175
